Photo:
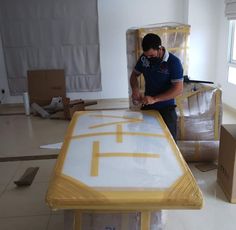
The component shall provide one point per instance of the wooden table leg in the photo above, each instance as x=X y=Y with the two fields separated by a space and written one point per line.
x=77 y=220
x=145 y=220
x=69 y=220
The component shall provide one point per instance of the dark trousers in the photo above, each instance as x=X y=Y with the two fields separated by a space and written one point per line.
x=170 y=118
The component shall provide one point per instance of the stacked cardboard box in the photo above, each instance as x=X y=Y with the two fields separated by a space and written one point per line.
x=226 y=174
x=47 y=94
x=43 y=85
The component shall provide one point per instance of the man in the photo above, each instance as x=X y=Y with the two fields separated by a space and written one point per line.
x=163 y=74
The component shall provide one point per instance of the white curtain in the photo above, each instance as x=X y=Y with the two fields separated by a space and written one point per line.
x=230 y=9
x=51 y=34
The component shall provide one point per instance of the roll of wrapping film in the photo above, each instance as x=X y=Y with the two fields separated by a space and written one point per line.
x=26 y=103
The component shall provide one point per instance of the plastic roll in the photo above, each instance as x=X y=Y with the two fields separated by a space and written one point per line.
x=26 y=103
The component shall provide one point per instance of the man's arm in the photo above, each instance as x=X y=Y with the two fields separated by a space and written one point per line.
x=174 y=91
x=136 y=96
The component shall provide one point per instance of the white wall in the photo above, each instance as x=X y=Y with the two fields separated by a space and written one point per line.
x=203 y=16
x=115 y=17
x=3 y=78
x=209 y=43
x=228 y=89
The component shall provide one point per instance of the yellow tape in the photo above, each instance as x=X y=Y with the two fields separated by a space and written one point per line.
x=181 y=118
x=95 y=159
x=137 y=45
x=115 y=133
x=114 y=123
x=119 y=136
x=68 y=193
x=184 y=187
x=65 y=186
x=217 y=107
x=145 y=220
x=144 y=31
x=121 y=117
x=86 y=198
x=66 y=143
x=178 y=155
x=62 y=156
x=217 y=113
x=78 y=221
x=185 y=53
x=189 y=94
x=96 y=155
x=179 y=100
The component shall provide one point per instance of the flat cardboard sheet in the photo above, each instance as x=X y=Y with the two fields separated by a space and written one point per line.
x=121 y=160
x=205 y=167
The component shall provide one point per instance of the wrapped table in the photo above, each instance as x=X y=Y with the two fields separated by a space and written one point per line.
x=122 y=161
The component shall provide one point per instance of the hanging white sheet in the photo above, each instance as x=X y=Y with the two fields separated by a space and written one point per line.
x=50 y=34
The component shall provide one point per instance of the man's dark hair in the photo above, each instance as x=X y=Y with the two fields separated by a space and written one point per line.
x=151 y=41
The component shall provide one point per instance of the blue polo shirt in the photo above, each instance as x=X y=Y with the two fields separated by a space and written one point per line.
x=160 y=76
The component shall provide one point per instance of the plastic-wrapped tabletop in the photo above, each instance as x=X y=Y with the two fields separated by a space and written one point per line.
x=121 y=160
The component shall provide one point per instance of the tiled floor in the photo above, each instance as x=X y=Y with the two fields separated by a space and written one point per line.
x=25 y=208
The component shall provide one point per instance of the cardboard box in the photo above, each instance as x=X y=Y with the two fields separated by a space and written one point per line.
x=43 y=85
x=226 y=174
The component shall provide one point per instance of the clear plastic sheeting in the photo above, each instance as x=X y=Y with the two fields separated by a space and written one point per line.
x=199 y=111
x=121 y=160
x=194 y=151
x=111 y=220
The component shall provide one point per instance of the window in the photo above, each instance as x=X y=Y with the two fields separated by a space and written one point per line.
x=232 y=53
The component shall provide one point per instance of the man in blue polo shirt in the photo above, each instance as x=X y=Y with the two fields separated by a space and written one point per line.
x=163 y=74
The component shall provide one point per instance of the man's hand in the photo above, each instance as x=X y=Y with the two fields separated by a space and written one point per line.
x=136 y=97
x=148 y=100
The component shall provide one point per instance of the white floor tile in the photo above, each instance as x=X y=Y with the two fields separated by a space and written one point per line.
x=25 y=208
x=2 y=188
x=24 y=223
x=28 y=134
x=216 y=214
x=56 y=222
x=24 y=201
x=7 y=171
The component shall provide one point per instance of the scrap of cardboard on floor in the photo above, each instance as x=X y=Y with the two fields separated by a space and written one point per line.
x=27 y=178
x=204 y=167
